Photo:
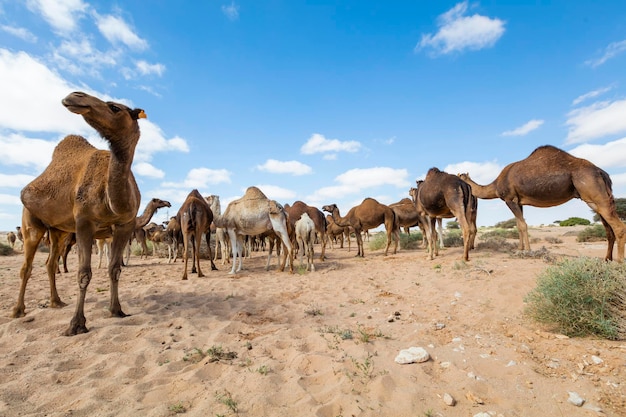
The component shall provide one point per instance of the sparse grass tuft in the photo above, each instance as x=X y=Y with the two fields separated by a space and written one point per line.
x=314 y=310
x=581 y=296
x=178 y=408
x=5 y=250
x=593 y=233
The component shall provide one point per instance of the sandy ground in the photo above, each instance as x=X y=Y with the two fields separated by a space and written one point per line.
x=308 y=344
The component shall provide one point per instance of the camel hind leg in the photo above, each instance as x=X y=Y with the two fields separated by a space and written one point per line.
x=522 y=227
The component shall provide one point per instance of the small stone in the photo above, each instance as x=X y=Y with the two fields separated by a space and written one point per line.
x=412 y=355
x=473 y=398
x=575 y=399
x=449 y=400
x=391 y=319
x=439 y=326
x=596 y=359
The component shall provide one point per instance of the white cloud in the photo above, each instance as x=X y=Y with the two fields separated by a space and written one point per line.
x=610 y=154
x=200 y=178
x=146 y=68
x=524 y=129
x=81 y=51
x=356 y=180
x=231 y=11
x=15 y=180
x=481 y=172
x=285 y=167
x=458 y=32
x=596 y=120
x=10 y=199
x=591 y=94
x=611 y=51
x=19 y=150
x=62 y=15
x=319 y=144
x=145 y=169
x=21 y=33
x=116 y=30
x=152 y=140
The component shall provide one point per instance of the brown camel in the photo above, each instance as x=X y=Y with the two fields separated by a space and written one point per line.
x=368 y=215
x=408 y=216
x=86 y=191
x=334 y=231
x=11 y=238
x=254 y=214
x=175 y=234
x=195 y=219
x=549 y=177
x=295 y=212
x=445 y=195
x=139 y=234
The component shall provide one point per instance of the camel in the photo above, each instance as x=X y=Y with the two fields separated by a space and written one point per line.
x=413 y=193
x=549 y=177
x=305 y=235
x=139 y=233
x=11 y=238
x=334 y=231
x=104 y=250
x=296 y=210
x=86 y=191
x=221 y=238
x=368 y=215
x=408 y=216
x=445 y=195
x=176 y=236
x=254 y=214
x=195 y=219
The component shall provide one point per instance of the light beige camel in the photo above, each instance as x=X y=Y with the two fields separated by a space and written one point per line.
x=139 y=234
x=11 y=238
x=334 y=231
x=305 y=236
x=295 y=212
x=222 y=244
x=254 y=214
x=445 y=195
x=549 y=177
x=195 y=219
x=368 y=215
x=87 y=191
x=104 y=250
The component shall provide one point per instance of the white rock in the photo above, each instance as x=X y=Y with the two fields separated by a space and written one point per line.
x=575 y=399
x=412 y=355
x=449 y=399
x=596 y=359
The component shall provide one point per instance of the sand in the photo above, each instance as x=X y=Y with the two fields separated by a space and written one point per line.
x=309 y=344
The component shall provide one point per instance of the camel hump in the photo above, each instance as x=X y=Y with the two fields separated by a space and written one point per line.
x=254 y=192
x=72 y=145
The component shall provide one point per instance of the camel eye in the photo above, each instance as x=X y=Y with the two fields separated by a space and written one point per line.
x=114 y=108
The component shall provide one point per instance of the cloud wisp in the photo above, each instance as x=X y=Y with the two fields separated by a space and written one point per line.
x=524 y=129
x=595 y=121
x=611 y=51
x=319 y=144
x=285 y=167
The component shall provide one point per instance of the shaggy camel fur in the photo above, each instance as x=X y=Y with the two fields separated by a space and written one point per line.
x=319 y=220
x=87 y=191
x=549 y=177
x=195 y=219
x=251 y=215
x=11 y=238
x=368 y=215
x=445 y=195
x=305 y=236
x=334 y=231
x=139 y=234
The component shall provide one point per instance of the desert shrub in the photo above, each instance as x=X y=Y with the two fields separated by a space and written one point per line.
x=412 y=241
x=453 y=238
x=5 y=250
x=581 y=296
x=501 y=233
x=497 y=244
x=592 y=234
x=453 y=225
x=542 y=253
x=553 y=240
x=574 y=221
x=507 y=224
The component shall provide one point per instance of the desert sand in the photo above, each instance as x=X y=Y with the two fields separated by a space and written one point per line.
x=324 y=343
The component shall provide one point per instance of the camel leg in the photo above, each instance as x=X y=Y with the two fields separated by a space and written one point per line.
x=522 y=227
x=440 y=231
x=359 y=243
x=56 y=237
x=196 y=252
x=84 y=240
x=323 y=242
x=116 y=249
x=186 y=256
x=32 y=234
x=208 y=243
x=234 y=243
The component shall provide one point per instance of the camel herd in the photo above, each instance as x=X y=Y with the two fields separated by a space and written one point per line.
x=91 y=195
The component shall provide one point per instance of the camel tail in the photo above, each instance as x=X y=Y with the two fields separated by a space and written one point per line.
x=609 y=189
x=470 y=203
x=191 y=222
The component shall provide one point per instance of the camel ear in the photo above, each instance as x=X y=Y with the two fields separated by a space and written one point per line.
x=138 y=114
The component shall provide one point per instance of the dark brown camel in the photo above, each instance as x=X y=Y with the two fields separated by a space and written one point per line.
x=549 y=177
x=295 y=212
x=445 y=195
x=195 y=219
x=368 y=215
x=86 y=191
x=139 y=234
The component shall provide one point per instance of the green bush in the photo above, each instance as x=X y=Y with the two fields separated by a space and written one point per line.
x=575 y=221
x=507 y=224
x=5 y=250
x=454 y=238
x=379 y=241
x=592 y=234
x=453 y=225
x=581 y=296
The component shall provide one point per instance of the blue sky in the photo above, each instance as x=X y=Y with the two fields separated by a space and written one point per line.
x=325 y=102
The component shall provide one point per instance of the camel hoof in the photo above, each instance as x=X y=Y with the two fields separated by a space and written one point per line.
x=57 y=304
x=214 y=268
x=119 y=313
x=200 y=275
x=73 y=330
x=18 y=312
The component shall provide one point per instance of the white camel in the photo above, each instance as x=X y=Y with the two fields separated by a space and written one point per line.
x=305 y=236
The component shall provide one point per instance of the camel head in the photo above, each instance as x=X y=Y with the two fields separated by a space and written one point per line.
x=464 y=176
x=330 y=208
x=108 y=118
